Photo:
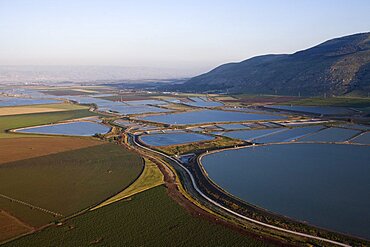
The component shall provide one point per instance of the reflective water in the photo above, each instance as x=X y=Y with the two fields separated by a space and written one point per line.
x=323 y=184
x=325 y=110
x=232 y=126
x=289 y=134
x=24 y=92
x=363 y=139
x=356 y=126
x=118 y=107
x=331 y=135
x=72 y=128
x=244 y=109
x=12 y=101
x=145 y=102
x=202 y=102
x=249 y=135
x=209 y=116
x=174 y=138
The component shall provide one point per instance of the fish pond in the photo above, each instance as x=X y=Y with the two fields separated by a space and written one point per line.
x=118 y=107
x=289 y=134
x=202 y=102
x=134 y=109
x=324 y=110
x=174 y=138
x=243 y=109
x=362 y=139
x=232 y=126
x=12 y=101
x=355 y=126
x=145 y=102
x=209 y=116
x=326 y=185
x=71 y=128
x=248 y=135
x=331 y=135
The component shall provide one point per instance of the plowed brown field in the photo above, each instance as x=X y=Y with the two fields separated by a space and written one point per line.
x=13 y=149
x=11 y=226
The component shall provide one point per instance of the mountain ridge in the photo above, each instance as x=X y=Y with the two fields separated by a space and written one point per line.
x=335 y=67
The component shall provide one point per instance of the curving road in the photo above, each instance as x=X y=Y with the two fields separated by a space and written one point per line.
x=209 y=200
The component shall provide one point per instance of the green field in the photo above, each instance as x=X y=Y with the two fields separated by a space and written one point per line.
x=63 y=106
x=333 y=101
x=66 y=182
x=26 y=120
x=150 y=218
x=150 y=177
x=181 y=149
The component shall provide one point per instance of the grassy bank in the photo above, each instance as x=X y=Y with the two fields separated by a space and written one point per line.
x=151 y=177
x=199 y=146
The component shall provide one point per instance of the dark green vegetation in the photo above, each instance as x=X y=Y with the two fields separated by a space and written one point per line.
x=332 y=101
x=66 y=182
x=150 y=218
x=197 y=147
x=335 y=67
x=26 y=120
x=261 y=98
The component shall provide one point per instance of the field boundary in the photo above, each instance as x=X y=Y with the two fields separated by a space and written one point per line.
x=30 y=205
x=137 y=186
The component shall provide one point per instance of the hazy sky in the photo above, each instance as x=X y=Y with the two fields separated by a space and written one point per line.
x=187 y=34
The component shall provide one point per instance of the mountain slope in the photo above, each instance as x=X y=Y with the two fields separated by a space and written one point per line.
x=335 y=67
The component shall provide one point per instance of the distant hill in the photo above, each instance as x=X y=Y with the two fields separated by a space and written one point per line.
x=335 y=67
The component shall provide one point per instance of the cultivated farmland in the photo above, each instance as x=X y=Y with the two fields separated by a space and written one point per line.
x=16 y=110
x=151 y=177
x=158 y=220
x=11 y=226
x=13 y=149
x=332 y=101
x=61 y=184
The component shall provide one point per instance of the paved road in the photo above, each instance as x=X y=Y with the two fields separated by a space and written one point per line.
x=193 y=189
